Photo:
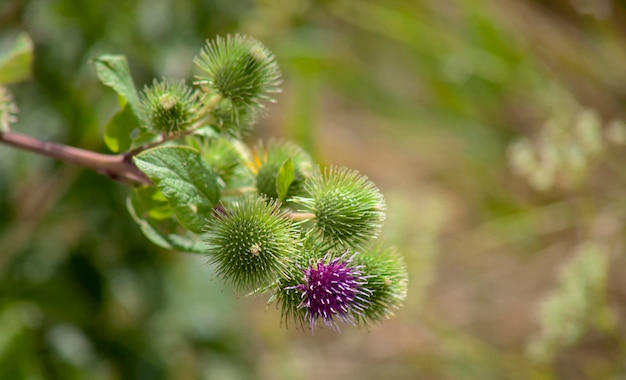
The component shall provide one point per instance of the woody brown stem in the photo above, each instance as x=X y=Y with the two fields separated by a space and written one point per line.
x=119 y=167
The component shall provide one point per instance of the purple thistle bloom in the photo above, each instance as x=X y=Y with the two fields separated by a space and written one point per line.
x=333 y=291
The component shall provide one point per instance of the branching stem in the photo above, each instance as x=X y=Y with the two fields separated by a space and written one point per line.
x=119 y=167
x=201 y=121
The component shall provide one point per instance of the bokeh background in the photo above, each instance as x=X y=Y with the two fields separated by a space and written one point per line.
x=493 y=127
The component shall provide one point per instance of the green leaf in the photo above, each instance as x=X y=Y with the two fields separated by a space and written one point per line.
x=117 y=132
x=145 y=138
x=113 y=71
x=285 y=177
x=17 y=63
x=154 y=203
x=166 y=233
x=185 y=179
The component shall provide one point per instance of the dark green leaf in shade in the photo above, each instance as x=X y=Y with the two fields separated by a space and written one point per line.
x=117 y=133
x=285 y=177
x=151 y=215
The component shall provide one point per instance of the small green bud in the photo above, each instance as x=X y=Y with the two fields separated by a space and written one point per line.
x=270 y=157
x=349 y=209
x=8 y=109
x=167 y=102
x=251 y=242
x=225 y=159
x=240 y=69
x=169 y=106
x=387 y=281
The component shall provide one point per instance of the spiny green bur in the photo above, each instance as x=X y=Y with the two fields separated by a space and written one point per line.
x=169 y=106
x=251 y=242
x=348 y=207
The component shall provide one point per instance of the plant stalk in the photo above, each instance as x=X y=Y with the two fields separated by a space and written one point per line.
x=119 y=167
x=301 y=216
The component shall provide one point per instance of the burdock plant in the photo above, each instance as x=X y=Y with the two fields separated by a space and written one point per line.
x=268 y=219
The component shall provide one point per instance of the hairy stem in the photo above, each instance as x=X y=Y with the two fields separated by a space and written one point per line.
x=301 y=216
x=119 y=167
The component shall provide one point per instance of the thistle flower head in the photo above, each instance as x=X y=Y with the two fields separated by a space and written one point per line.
x=250 y=241
x=169 y=106
x=269 y=159
x=349 y=209
x=330 y=289
x=240 y=69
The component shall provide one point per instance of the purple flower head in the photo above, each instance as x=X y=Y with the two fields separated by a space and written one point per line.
x=333 y=291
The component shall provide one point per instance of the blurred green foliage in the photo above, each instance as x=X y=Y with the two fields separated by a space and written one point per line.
x=494 y=128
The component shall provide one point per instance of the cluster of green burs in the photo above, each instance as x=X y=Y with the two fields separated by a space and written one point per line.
x=283 y=226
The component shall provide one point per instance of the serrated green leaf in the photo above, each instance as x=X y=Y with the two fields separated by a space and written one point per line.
x=117 y=131
x=113 y=71
x=285 y=177
x=185 y=179
x=165 y=233
x=16 y=65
